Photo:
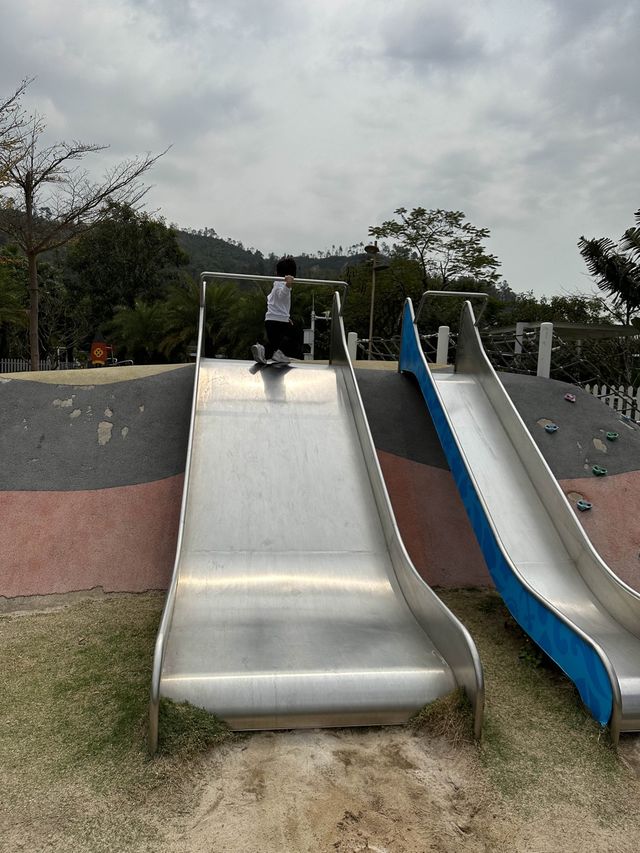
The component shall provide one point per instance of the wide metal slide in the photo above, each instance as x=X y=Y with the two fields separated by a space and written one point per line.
x=553 y=581
x=293 y=602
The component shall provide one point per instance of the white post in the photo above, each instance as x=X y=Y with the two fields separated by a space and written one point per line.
x=544 y=349
x=520 y=327
x=352 y=345
x=442 y=352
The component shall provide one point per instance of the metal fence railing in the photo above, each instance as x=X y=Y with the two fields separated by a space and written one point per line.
x=20 y=365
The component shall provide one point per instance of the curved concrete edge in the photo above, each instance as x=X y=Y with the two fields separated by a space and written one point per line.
x=86 y=437
x=93 y=376
x=434 y=524
x=121 y=539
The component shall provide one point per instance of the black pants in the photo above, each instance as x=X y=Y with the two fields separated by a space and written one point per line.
x=284 y=336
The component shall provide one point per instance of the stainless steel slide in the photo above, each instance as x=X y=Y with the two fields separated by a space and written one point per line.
x=293 y=602
x=553 y=581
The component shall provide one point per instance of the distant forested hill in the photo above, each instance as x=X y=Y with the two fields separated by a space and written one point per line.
x=208 y=251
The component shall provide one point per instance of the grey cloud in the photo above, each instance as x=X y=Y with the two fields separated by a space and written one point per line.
x=570 y=19
x=431 y=38
x=593 y=73
x=124 y=96
x=239 y=19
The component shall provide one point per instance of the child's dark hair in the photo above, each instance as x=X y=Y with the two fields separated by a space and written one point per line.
x=286 y=266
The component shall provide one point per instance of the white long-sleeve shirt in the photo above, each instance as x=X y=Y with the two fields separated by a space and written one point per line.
x=279 y=302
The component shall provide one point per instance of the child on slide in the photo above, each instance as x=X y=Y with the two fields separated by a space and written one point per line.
x=282 y=335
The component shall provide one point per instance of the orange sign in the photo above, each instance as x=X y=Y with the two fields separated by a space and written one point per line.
x=99 y=353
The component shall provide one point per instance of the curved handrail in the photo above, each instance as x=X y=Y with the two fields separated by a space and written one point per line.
x=428 y=294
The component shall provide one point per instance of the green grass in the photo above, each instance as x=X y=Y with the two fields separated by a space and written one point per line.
x=539 y=747
x=186 y=730
x=74 y=691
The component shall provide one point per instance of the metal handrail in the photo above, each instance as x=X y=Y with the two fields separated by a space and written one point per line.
x=233 y=276
x=429 y=293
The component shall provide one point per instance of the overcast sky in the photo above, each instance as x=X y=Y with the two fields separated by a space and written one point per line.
x=297 y=124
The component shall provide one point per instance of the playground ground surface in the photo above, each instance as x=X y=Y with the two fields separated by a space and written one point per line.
x=75 y=775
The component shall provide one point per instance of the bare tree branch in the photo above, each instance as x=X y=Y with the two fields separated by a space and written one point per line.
x=49 y=198
x=12 y=121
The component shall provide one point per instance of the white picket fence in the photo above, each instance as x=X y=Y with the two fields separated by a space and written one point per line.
x=626 y=401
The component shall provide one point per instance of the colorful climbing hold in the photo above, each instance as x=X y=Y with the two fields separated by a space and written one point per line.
x=551 y=427
x=599 y=471
x=612 y=436
x=583 y=505
x=571 y=398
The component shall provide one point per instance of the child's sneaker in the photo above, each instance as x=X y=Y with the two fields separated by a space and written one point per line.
x=280 y=358
x=257 y=351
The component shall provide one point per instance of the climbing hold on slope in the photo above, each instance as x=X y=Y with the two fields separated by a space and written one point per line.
x=570 y=398
x=551 y=427
x=612 y=436
x=599 y=471
x=583 y=505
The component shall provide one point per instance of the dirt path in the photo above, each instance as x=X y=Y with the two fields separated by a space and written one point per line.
x=382 y=790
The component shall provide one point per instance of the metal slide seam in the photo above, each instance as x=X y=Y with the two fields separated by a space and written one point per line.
x=583 y=659
x=468 y=672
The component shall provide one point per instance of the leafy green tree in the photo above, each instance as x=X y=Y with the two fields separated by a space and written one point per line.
x=442 y=243
x=526 y=308
x=63 y=320
x=130 y=256
x=392 y=287
x=49 y=200
x=14 y=318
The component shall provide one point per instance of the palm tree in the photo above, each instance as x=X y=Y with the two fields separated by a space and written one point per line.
x=139 y=330
x=615 y=270
x=631 y=239
x=181 y=319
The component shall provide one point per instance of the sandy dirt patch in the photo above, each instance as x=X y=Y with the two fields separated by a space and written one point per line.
x=348 y=790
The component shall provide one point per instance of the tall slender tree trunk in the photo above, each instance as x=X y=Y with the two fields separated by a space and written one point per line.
x=32 y=266
x=34 y=346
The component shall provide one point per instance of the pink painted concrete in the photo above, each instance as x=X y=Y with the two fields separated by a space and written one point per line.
x=433 y=523
x=121 y=539
x=613 y=524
